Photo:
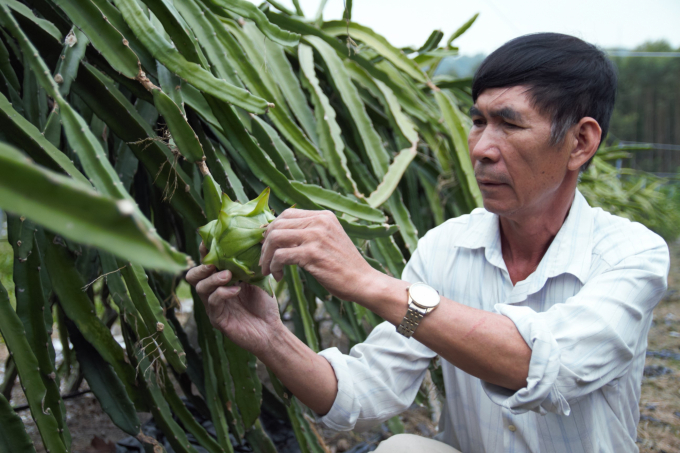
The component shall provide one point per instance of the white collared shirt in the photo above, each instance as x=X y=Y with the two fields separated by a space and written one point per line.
x=585 y=312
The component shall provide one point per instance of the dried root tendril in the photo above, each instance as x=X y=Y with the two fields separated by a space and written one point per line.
x=156 y=354
x=165 y=138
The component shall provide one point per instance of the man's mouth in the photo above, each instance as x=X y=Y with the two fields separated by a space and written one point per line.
x=489 y=183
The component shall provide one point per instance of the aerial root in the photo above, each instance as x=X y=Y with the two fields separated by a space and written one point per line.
x=84 y=288
x=165 y=137
x=155 y=364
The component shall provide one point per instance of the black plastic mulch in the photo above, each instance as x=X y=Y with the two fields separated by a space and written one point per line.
x=280 y=431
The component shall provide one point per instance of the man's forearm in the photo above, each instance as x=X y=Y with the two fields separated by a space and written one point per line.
x=305 y=373
x=484 y=344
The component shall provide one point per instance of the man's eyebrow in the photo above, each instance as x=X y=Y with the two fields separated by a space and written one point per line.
x=507 y=113
x=474 y=111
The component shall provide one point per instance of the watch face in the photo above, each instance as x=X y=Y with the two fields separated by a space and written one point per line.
x=423 y=295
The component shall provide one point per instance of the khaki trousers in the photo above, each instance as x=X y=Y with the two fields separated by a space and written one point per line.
x=410 y=443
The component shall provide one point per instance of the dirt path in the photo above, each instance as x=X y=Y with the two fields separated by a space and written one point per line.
x=659 y=428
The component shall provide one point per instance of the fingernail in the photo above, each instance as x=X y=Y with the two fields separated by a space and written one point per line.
x=224 y=275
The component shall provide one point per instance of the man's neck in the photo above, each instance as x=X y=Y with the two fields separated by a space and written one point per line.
x=525 y=238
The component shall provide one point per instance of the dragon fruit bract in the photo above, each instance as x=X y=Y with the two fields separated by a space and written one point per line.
x=233 y=239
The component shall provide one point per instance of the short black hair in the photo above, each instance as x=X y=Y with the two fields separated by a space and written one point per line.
x=567 y=77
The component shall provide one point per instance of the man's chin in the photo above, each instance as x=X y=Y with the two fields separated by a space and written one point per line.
x=498 y=206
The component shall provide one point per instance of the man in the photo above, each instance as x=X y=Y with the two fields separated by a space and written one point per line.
x=545 y=302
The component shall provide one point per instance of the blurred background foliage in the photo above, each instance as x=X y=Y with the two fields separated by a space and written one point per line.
x=648 y=106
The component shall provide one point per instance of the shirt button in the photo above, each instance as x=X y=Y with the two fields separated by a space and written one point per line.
x=512 y=428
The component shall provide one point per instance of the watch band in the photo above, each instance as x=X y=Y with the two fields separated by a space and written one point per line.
x=410 y=322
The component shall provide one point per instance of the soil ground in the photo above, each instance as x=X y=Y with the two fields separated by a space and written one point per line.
x=659 y=428
x=658 y=431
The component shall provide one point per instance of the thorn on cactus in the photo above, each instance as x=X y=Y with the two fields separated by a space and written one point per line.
x=125 y=207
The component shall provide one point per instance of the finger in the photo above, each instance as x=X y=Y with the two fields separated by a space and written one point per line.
x=221 y=294
x=326 y=218
x=207 y=286
x=298 y=213
x=281 y=239
x=283 y=257
x=198 y=273
x=290 y=224
x=202 y=250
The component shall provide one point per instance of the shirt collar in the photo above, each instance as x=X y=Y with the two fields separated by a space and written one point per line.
x=570 y=252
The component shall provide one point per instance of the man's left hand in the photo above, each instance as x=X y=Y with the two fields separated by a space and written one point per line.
x=315 y=241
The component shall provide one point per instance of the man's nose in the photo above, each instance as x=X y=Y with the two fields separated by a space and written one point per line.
x=484 y=147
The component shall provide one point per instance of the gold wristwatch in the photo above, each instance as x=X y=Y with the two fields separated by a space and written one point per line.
x=422 y=299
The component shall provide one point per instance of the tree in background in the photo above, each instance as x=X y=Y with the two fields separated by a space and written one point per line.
x=648 y=105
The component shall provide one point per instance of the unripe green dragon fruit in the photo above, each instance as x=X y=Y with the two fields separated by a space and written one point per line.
x=233 y=239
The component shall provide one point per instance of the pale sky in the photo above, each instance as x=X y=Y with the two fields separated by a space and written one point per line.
x=606 y=23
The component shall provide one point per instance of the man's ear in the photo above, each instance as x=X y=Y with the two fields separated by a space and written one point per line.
x=587 y=134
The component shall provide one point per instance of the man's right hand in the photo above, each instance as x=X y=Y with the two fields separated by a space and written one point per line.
x=250 y=318
x=244 y=313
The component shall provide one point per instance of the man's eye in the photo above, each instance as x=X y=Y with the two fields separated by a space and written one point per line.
x=510 y=125
x=478 y=122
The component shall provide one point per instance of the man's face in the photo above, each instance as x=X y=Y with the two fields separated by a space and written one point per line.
x=517 y=170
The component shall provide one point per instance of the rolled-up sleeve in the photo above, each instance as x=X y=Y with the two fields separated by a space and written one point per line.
x=589 y=340
x=377 y=380
x=380 y=377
